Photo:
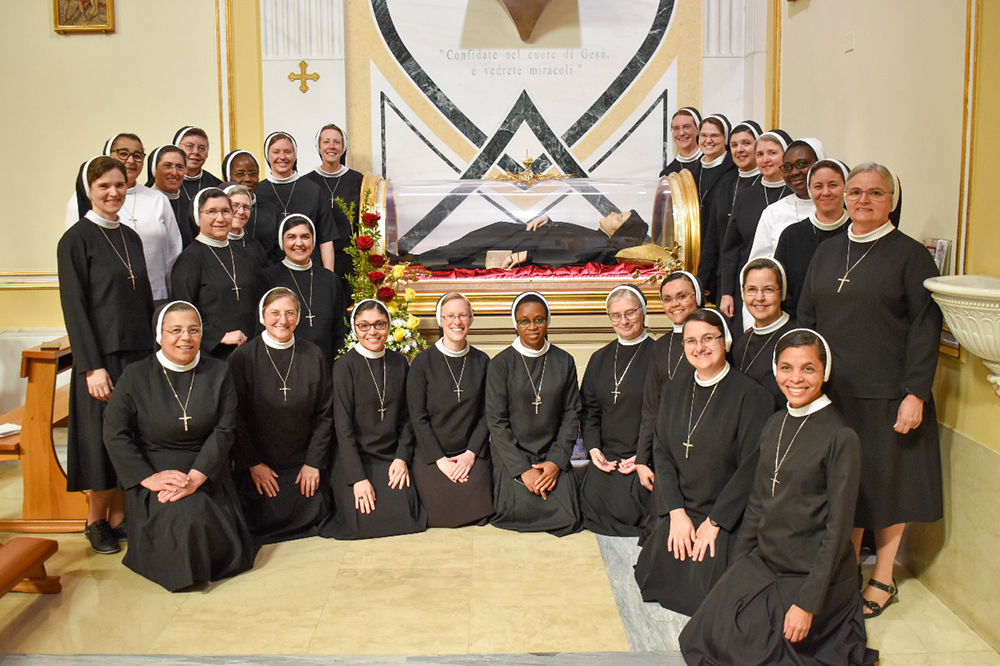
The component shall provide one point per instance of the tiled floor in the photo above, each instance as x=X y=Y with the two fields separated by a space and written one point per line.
x=473 y=591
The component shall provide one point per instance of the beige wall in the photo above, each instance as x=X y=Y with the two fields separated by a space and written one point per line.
x=896 y=98
x=65 y=95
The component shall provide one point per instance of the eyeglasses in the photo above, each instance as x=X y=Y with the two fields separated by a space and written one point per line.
x=714 y=135
x=288 y=314
x=176 y=331
x=170 y=166
x=681 y=128
x=213 y=212
x=629 y=315
x=190 y=147
x=537 y=321
x=246 y=174
x=365 y=326
x=683 y=296
x=704 y=341
x=874 y=194
x=751 y=292
x=123 y=155
x=801 y=165
x=241 y=207
x=451 y=318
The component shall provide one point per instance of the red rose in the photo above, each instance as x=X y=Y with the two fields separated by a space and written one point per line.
x=376 y=277
x=386 y=294
x=370 y=219
x=377 y=260
x=364 y=242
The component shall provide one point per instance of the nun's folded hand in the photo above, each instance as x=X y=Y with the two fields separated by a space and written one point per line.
x=99 y=384
x=910 y=414
x=447 y=466
x=308 y=480
x=233 y=338
x=264 y=480
x=463 y=465
x=195 y=479
x=627 y=466
x=398 y=474
x=547 y=480
x=600 y=462
x=168 y=479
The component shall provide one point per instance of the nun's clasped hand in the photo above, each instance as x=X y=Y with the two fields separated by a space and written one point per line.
x=602 y=463
x=398 y=475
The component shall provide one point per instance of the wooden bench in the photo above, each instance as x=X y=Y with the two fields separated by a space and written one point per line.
x=10 y=446
x=22 y=566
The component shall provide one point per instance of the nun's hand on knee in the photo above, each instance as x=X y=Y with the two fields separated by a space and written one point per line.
x=364 y=496
x=646 y=476
x=797 y=624
x=705 y=540
x=399 y=475
x=463 y=465
x=264 y=480
x=168 y=479
x=910 y=414
x=530 y=480
x=600 y=462
x=195 y=479
x=447 y=466
x=548 y=478
x=308 y=480
x=682 y=535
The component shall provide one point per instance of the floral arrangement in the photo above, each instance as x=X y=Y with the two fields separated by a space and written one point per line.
x=374 y=276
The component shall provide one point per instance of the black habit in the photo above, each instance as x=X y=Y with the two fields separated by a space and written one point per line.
x=202 y=275
x=283 y=430
x=108 y=325
x=710 y=478
x=796 y=247
x=613 y=503
x=346 y=187
x=202 y=537
x=254 y=249
x=709 y=180
x=191 y=186
x=366 y=446
x=447 y=423
x=896 y=355
x=322 y=310
x=182 y=215
x=524 y=434
x=714 y=231
x=277 y=200
x=794 y=548
x=754 y=351
x=669 y=365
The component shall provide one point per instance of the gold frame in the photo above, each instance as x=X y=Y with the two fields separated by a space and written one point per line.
x=106 y=27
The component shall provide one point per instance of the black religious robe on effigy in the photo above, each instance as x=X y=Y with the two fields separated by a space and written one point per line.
x=202 y=275
x=750 y=204
x=613 y=503
x=348 y=188
x=794 y=548
x=719 y=214
x=553 y=244
x=108 y=325
x=895 y=355
x=367 y=443
x=254 y=249
x=283 y=430
x=320 y=296
x=191 y=186
x=300 y=196
x=795 y=250
x=447 y=424
x=202 y=537
x=525 y=434
x=754 y=351
x=709 y=479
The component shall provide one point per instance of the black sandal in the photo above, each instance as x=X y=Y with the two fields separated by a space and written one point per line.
x=874 y=607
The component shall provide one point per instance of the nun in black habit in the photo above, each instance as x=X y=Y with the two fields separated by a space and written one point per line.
x=612 y=499
x=242 y=202
x=319 y=291
x=372 y=495
x=533 y=413
x=219 y=277
x=194 y=142
x=284 y=426
x=791 y=595
x=451 y=470
x=241 y=167
x=169 y=430
x=705 y=448
x=716 y=162
x=339 y=182
x=684 y=131
x=106 y=297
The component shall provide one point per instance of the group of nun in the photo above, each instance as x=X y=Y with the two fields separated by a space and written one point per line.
x=749 y=448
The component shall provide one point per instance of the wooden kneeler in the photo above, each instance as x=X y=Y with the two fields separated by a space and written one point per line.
x=22 y=566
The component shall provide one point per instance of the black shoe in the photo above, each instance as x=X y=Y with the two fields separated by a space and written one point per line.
x=120 y=533
x=102 y=537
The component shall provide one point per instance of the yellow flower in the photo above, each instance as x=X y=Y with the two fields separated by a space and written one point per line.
x=410 y=294
x=391 y=307
x=412 y=322
x=398 y=334
x=398 y=271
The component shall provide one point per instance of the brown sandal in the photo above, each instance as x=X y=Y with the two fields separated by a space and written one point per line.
x=874 y=607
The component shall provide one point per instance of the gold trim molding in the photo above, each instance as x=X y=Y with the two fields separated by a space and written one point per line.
x=28 y=280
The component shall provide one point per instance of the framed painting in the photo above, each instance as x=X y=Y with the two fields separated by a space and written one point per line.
x=83 y=16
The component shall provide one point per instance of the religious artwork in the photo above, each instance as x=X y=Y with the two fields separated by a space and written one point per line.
x=84 y=15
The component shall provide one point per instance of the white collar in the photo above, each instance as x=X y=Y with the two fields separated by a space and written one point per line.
x=813 y=407
x=276 y=344
x=284 y=181
x=750 y=174
x=871 y=236
x=368 y=353
x=773 y=326
x=530 y=353
x=100 y=221
x=326 y=174
x=170 y=195
x=176 y=367
x=694 y=157
x=202 y=238
x=714 y=163
x=634 y=341
x=232 y=236
x=450 y=352
x=775 y=185
x=296 y=267
x=678 y=328
x=823 y=226
x=714 y=380
x=198 y=177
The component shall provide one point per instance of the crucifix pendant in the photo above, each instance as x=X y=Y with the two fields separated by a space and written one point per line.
x=310 y=317
x=537 y=402
x=284 y=214
x=381 y=414
x=236 y=288
x=458 y=393
x=842 y=281
x=132 y=278
x=687 y=449
x=616 y=393
x=284 y=392
x=185 y=419
x=132 y=219
x=774 y=482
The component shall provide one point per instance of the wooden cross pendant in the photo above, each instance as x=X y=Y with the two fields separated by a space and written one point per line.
x=774 y=482
x=537 y=402
x=236 y=288
x=458 y=393
x=185 y=419
x=310 y=317
x=381 y=414
x=842 y=281
x=132 y=278
x=687 y=449
x=284 y=392
x=616 y=393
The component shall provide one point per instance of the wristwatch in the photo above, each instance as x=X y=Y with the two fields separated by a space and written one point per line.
x=712 y=522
